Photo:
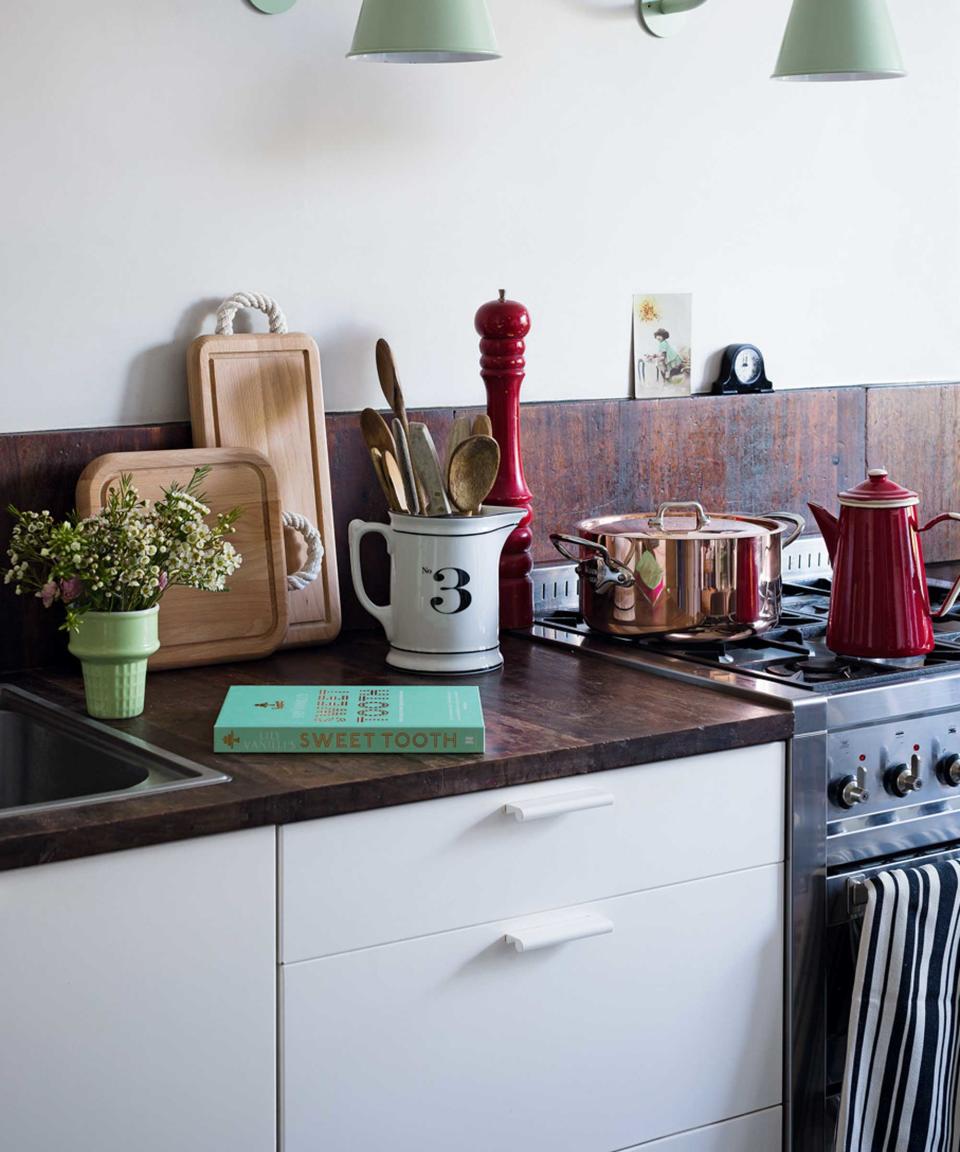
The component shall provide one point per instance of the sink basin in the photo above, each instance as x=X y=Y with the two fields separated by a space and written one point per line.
x=53 y=758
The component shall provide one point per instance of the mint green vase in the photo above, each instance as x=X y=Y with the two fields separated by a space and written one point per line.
x=113 y=649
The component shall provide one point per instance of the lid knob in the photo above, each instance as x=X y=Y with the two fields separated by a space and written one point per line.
x=879 y=491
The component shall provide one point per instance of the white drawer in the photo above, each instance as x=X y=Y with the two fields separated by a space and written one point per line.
x=760 y=1132
x=670 y=1022
x=396 y=873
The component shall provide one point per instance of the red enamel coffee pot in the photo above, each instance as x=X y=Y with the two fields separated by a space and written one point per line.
x=879 y=605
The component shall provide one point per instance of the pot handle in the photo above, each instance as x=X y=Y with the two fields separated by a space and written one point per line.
x=954 y=593
x=673 y=505
x=798 y=523
x=602 y=571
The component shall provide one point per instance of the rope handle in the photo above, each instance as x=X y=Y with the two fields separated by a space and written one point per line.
x=231 y=306
x=311 y=570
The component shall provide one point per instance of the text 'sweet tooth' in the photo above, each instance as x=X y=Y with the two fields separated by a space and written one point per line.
x=325 y=719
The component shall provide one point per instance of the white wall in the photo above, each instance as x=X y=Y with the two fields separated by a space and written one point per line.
x=157 y=156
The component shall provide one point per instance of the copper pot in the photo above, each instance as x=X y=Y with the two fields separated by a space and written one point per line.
x=682 y=574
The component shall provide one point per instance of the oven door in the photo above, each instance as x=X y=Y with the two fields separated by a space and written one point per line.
x=846 y=901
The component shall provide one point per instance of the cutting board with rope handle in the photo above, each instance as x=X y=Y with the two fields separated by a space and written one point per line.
x=264 y=392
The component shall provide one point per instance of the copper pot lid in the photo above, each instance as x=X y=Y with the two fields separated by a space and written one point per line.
x=879 y=491
x=680 y=521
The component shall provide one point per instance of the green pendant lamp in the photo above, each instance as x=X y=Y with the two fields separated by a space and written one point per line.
x=424 y=32
x=839 y=40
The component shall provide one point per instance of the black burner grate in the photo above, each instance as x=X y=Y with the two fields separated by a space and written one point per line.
x=795 y=651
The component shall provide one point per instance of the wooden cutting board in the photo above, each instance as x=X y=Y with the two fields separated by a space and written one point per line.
x=250 y=620
x=264 y=392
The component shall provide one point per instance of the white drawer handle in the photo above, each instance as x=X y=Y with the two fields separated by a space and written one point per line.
x=543 y=806
x=560 y=931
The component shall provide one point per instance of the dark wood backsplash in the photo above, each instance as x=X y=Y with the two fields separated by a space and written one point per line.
x=913 y=433
x=583 y=458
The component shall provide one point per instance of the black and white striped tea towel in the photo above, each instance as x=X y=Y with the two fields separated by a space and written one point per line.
x=900 y=1081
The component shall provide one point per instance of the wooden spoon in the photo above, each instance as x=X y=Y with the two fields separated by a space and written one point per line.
x=387 y=372
x=394 y=498
x=473 y=470
x=407 y=472
x=394 y=478
x=390 y=385
x=376 y=432
x=382 y=447
x=459 y=431
x=482 y=425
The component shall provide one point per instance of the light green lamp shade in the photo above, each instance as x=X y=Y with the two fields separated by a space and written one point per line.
x=839 y=40
x=424 y=32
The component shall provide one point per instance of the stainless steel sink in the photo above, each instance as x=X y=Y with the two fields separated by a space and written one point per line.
x=53 y=758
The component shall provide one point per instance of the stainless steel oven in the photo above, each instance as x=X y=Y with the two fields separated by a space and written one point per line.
x=874 y=782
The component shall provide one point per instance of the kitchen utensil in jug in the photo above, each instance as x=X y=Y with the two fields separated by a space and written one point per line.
x=426 y=464
x=443 y=616
x=879 y=605
x=472 y=472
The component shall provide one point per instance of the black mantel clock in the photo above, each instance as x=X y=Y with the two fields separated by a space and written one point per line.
x=741 y=370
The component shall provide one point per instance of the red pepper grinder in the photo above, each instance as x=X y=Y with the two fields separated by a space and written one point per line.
x=502 y=325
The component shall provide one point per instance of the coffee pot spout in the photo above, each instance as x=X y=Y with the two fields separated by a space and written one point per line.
x=829 y=527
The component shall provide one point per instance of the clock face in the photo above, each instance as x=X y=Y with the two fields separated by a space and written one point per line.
x=748 y=365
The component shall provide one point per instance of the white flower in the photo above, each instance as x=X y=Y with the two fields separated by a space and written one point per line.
x=124 y=557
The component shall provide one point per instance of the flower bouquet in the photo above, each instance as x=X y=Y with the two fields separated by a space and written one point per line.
x=110 y=571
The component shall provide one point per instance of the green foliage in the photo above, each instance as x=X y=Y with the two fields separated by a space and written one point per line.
x=125 y=557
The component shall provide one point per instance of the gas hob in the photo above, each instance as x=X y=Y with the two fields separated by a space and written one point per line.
x=795 y=652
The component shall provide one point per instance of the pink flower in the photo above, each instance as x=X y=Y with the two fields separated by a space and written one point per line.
x=48 y=593
x=71 y=589
x=163 y=582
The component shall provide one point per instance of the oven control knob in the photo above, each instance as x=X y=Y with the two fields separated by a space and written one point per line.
x=902 y=779
x=949 y=770
x=853 y=789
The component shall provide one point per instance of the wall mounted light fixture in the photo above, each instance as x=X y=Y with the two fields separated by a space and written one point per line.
x=424 y=32
x=839 y=40
x=666 y=17
x=273 y=6
x=824 y=40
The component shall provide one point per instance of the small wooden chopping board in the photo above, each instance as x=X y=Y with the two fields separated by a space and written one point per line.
x=264 y=392
x=248 y=621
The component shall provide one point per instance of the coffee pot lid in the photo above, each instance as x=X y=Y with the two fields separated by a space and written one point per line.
x=879 y=491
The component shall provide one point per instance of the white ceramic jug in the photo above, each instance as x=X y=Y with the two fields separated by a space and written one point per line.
x=444 y=610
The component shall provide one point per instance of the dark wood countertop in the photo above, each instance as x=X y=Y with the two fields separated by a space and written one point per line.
x=548 y=714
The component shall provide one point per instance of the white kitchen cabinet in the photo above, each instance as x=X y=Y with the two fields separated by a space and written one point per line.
x=661 y=1013
x=759 y=1132
x=396 y=873
x=137 y=1000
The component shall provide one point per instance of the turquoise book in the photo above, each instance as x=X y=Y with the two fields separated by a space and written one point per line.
x=419 y=719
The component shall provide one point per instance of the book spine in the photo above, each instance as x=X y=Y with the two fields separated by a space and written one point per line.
x=342 y=741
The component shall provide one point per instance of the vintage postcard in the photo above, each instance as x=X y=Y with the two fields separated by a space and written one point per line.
x=662 y=330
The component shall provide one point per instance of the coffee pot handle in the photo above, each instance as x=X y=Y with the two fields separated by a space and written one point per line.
x=358 y=529
x=954 y=593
